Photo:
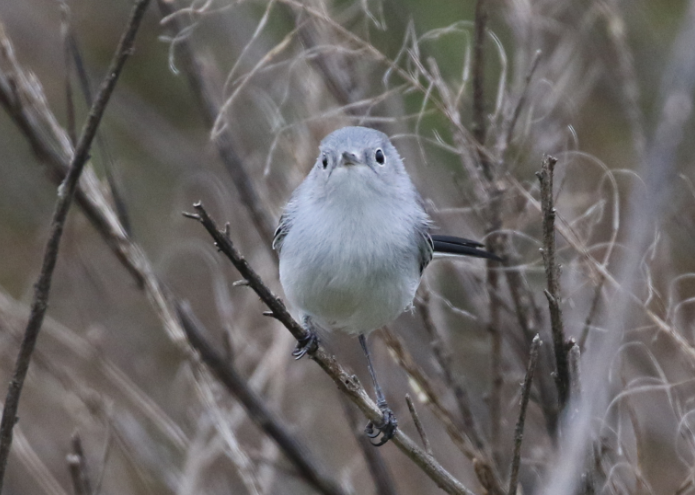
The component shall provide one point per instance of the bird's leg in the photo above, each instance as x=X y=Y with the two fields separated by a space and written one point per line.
x=308 y=343
x=388 y=423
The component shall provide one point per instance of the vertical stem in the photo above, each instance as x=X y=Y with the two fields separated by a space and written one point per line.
x=519 y=430
x=552 y=274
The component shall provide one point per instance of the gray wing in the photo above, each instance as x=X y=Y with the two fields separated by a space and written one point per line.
x=281 y=232
x=286 y=220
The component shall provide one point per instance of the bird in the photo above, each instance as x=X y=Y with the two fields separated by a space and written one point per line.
x=353 y=242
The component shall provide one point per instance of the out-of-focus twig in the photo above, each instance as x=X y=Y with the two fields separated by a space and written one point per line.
x=479 y=124
x=519 y=429
x=552 y=274
x=378 y=469
x=443 y=358
x=77 y=465
x=345 y=381
x=483 y=465
x=418 y=424
x=257 y=411
x=203 y=91
x=65 y=195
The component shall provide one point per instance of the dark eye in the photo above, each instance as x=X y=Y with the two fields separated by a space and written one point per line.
x=324 y=161
x=379 y=155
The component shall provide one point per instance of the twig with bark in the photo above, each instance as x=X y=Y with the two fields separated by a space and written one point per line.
x=65 y=194
x=345 y=381
x=552 y=273
x=519 y=429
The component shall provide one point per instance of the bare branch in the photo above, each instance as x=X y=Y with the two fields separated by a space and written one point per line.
x=479 y=124
x=65 y=194
x=552 y=273
x=418 y=424
x=484 y=469
x=257 y=411
x=77 y=465
x=378 y=469
x=443 y=357
x=519 y=429
x=345 y=381
x=202 y=89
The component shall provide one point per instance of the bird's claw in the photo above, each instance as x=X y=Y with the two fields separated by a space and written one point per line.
x=307 y=344
x=386 y=428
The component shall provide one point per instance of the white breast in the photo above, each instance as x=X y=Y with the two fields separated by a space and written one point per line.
x=350 y=260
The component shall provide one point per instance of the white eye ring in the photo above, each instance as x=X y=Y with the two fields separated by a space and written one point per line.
x=379 y=156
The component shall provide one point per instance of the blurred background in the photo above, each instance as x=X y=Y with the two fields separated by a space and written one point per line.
x=225 y=102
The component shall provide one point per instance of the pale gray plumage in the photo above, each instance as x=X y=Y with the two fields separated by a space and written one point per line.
x=353 y=239
x=353 y=242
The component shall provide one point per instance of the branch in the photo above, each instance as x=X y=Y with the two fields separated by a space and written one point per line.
x=346 y=382
x=483 y=465
x=519 y=430
x=418 y=424
x=479 y=126
x=257 y=411
x=204 y=93
x=65 y=194
x=443 y=357
x=77 y=465
x=552 y=274
x=378 y=469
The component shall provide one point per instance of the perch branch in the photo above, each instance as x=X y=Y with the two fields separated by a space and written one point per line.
x=65 y=194
x=378 y=469
x=345 y=381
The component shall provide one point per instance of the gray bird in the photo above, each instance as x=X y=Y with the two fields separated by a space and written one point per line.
x=353 y=242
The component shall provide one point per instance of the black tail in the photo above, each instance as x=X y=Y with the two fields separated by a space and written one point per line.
x=446 y=244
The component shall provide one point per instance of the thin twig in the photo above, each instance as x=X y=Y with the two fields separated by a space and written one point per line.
x=443 y=357
x=479 y=124
x=528 y=315
x=66 y=33
x=378 y=469
x=593 y=309
x=203 y=91
x=65 y=195
x=484 y=469
x=520 y=104
x=77 y=465
x=552 y=273
x=257 y=411
x=345 y=381
x=418 y=424
x=519 y=430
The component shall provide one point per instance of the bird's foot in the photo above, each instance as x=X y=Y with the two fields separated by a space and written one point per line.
x=307 y=344
x=386 y=428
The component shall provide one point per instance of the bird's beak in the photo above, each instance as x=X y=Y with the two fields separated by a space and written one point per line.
x=350 y=158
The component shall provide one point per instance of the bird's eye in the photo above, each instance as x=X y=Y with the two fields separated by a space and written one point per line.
x=324 y=161
x=379 y=155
